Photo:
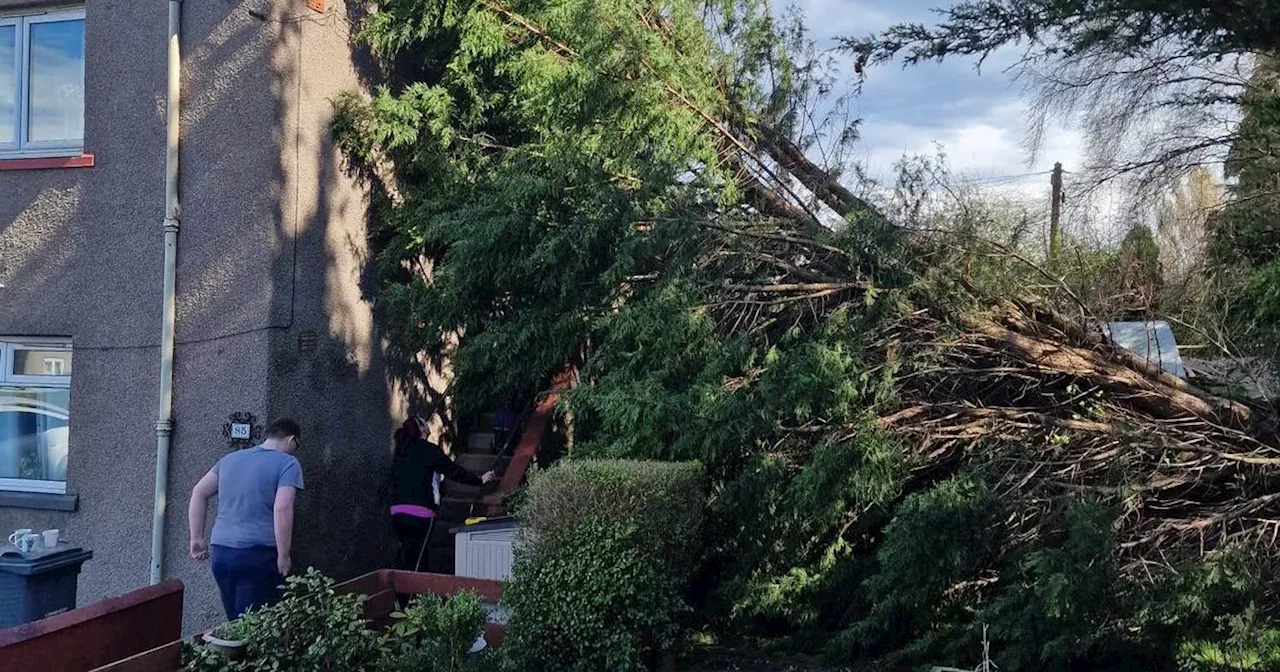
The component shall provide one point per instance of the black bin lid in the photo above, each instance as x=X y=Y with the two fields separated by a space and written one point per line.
x=14 y=561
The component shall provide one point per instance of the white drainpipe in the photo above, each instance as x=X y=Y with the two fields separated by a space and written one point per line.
x=172 y=220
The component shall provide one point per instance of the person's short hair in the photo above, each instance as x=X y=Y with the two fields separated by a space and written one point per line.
x=284 y=428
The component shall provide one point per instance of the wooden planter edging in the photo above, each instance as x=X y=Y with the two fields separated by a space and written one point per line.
x=166 y=658
x=97 y=634
x=382 y=586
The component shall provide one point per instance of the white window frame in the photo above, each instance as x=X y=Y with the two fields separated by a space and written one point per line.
x=10 y=144
x=17 y=147
x=9 y=345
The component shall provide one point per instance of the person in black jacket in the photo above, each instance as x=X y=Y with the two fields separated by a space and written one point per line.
x=416 y=470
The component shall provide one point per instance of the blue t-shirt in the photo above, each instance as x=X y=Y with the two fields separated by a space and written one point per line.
x=247 y=484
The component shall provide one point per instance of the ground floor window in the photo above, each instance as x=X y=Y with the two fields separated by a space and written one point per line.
x=35 y=402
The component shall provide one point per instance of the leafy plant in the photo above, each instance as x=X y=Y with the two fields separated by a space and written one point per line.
x=433 y=633
x=608 y=548
x=930 y=565
x=1245 y=642
x=1060 y=604
x=316 y=629
x=312 y=628
x=1207 y=616
x=591 y=596
x=664 y=500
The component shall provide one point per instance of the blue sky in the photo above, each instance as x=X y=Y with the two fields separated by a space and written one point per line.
x=978 y=117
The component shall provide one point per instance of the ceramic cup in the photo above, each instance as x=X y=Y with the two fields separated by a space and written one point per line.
x=50 y=538
x=24 y=540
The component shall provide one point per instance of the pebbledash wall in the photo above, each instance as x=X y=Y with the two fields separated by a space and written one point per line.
x=272 y=310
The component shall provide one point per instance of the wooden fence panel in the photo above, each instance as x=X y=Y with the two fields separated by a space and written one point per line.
x=97 y=634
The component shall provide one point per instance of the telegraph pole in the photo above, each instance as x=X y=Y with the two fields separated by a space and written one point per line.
x=1055 y=217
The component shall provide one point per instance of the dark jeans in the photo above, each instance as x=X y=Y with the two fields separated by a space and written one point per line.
x=413 y=533
x=247 y=577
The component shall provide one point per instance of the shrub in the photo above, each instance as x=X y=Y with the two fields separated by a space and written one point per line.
x=1207 y=615
x=593 y=597
x=315 y=629
x=945 y=578
x=1061 y=602
x=1244 y=642
x=312 y=629
x=664 y=500
x=608 y=547
x=938 y=540
x=434 y=634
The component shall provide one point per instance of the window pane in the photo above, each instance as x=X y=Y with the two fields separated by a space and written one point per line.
x=56 y=82
x=8 y=84
x=33 y=433
x=41 y=362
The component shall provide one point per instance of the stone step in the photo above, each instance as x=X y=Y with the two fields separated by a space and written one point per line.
x=462 y=491
x=478 y=463
x=491 y=421
x=455 y=510
x=485 y=422
x=481 y=442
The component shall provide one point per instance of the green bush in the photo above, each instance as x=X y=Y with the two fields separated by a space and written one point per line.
x=312 y=629
x=664 y=500
x=929 y=562
x=1243 y=642
x=945 y=570
x=434 y=634
x=945 y=576
x=1062 y=602
x=593 y=597
x=1207 y=614
x=608 y=548
x=316 y=629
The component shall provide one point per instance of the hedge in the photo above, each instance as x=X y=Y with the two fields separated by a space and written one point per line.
x=607 y=549
x=665 y=500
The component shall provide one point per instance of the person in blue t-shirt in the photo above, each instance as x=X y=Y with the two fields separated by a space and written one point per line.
x=253 y=532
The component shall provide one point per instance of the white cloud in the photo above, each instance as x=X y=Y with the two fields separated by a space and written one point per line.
x=985 y=146
x=828 y=19
x=831 y=18
x=978 y=119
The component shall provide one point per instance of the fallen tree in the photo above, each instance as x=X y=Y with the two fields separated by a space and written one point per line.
x=1194 y=473
x=626 y=187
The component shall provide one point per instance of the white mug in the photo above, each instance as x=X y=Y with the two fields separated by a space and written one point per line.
x=26 y=542
x=18 y=535
x=50 y=538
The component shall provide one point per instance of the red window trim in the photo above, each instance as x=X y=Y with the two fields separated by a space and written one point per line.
x=81 y=161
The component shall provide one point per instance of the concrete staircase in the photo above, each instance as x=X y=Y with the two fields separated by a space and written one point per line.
x=458 y=501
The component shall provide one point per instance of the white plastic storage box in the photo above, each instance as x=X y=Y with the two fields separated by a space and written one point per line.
x=484 y=550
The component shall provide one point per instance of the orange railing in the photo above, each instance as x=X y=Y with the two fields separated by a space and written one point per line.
x=527 y=449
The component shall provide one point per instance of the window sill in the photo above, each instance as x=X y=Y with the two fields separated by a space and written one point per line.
x=38 y=500
x=48 y=162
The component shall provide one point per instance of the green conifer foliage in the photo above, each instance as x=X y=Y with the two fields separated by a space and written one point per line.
x=617 y=185
x=622 y=187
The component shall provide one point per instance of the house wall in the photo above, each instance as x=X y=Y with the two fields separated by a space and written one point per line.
x=272 y=246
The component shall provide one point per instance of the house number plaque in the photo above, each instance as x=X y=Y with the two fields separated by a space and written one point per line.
x=242 y=430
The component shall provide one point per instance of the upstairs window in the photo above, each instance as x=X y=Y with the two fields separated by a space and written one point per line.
x=35 y=402
x=42 y=84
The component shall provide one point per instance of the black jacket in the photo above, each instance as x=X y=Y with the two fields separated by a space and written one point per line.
x=413 y=474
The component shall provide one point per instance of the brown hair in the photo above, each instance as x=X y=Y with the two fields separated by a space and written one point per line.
x=408 y=432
